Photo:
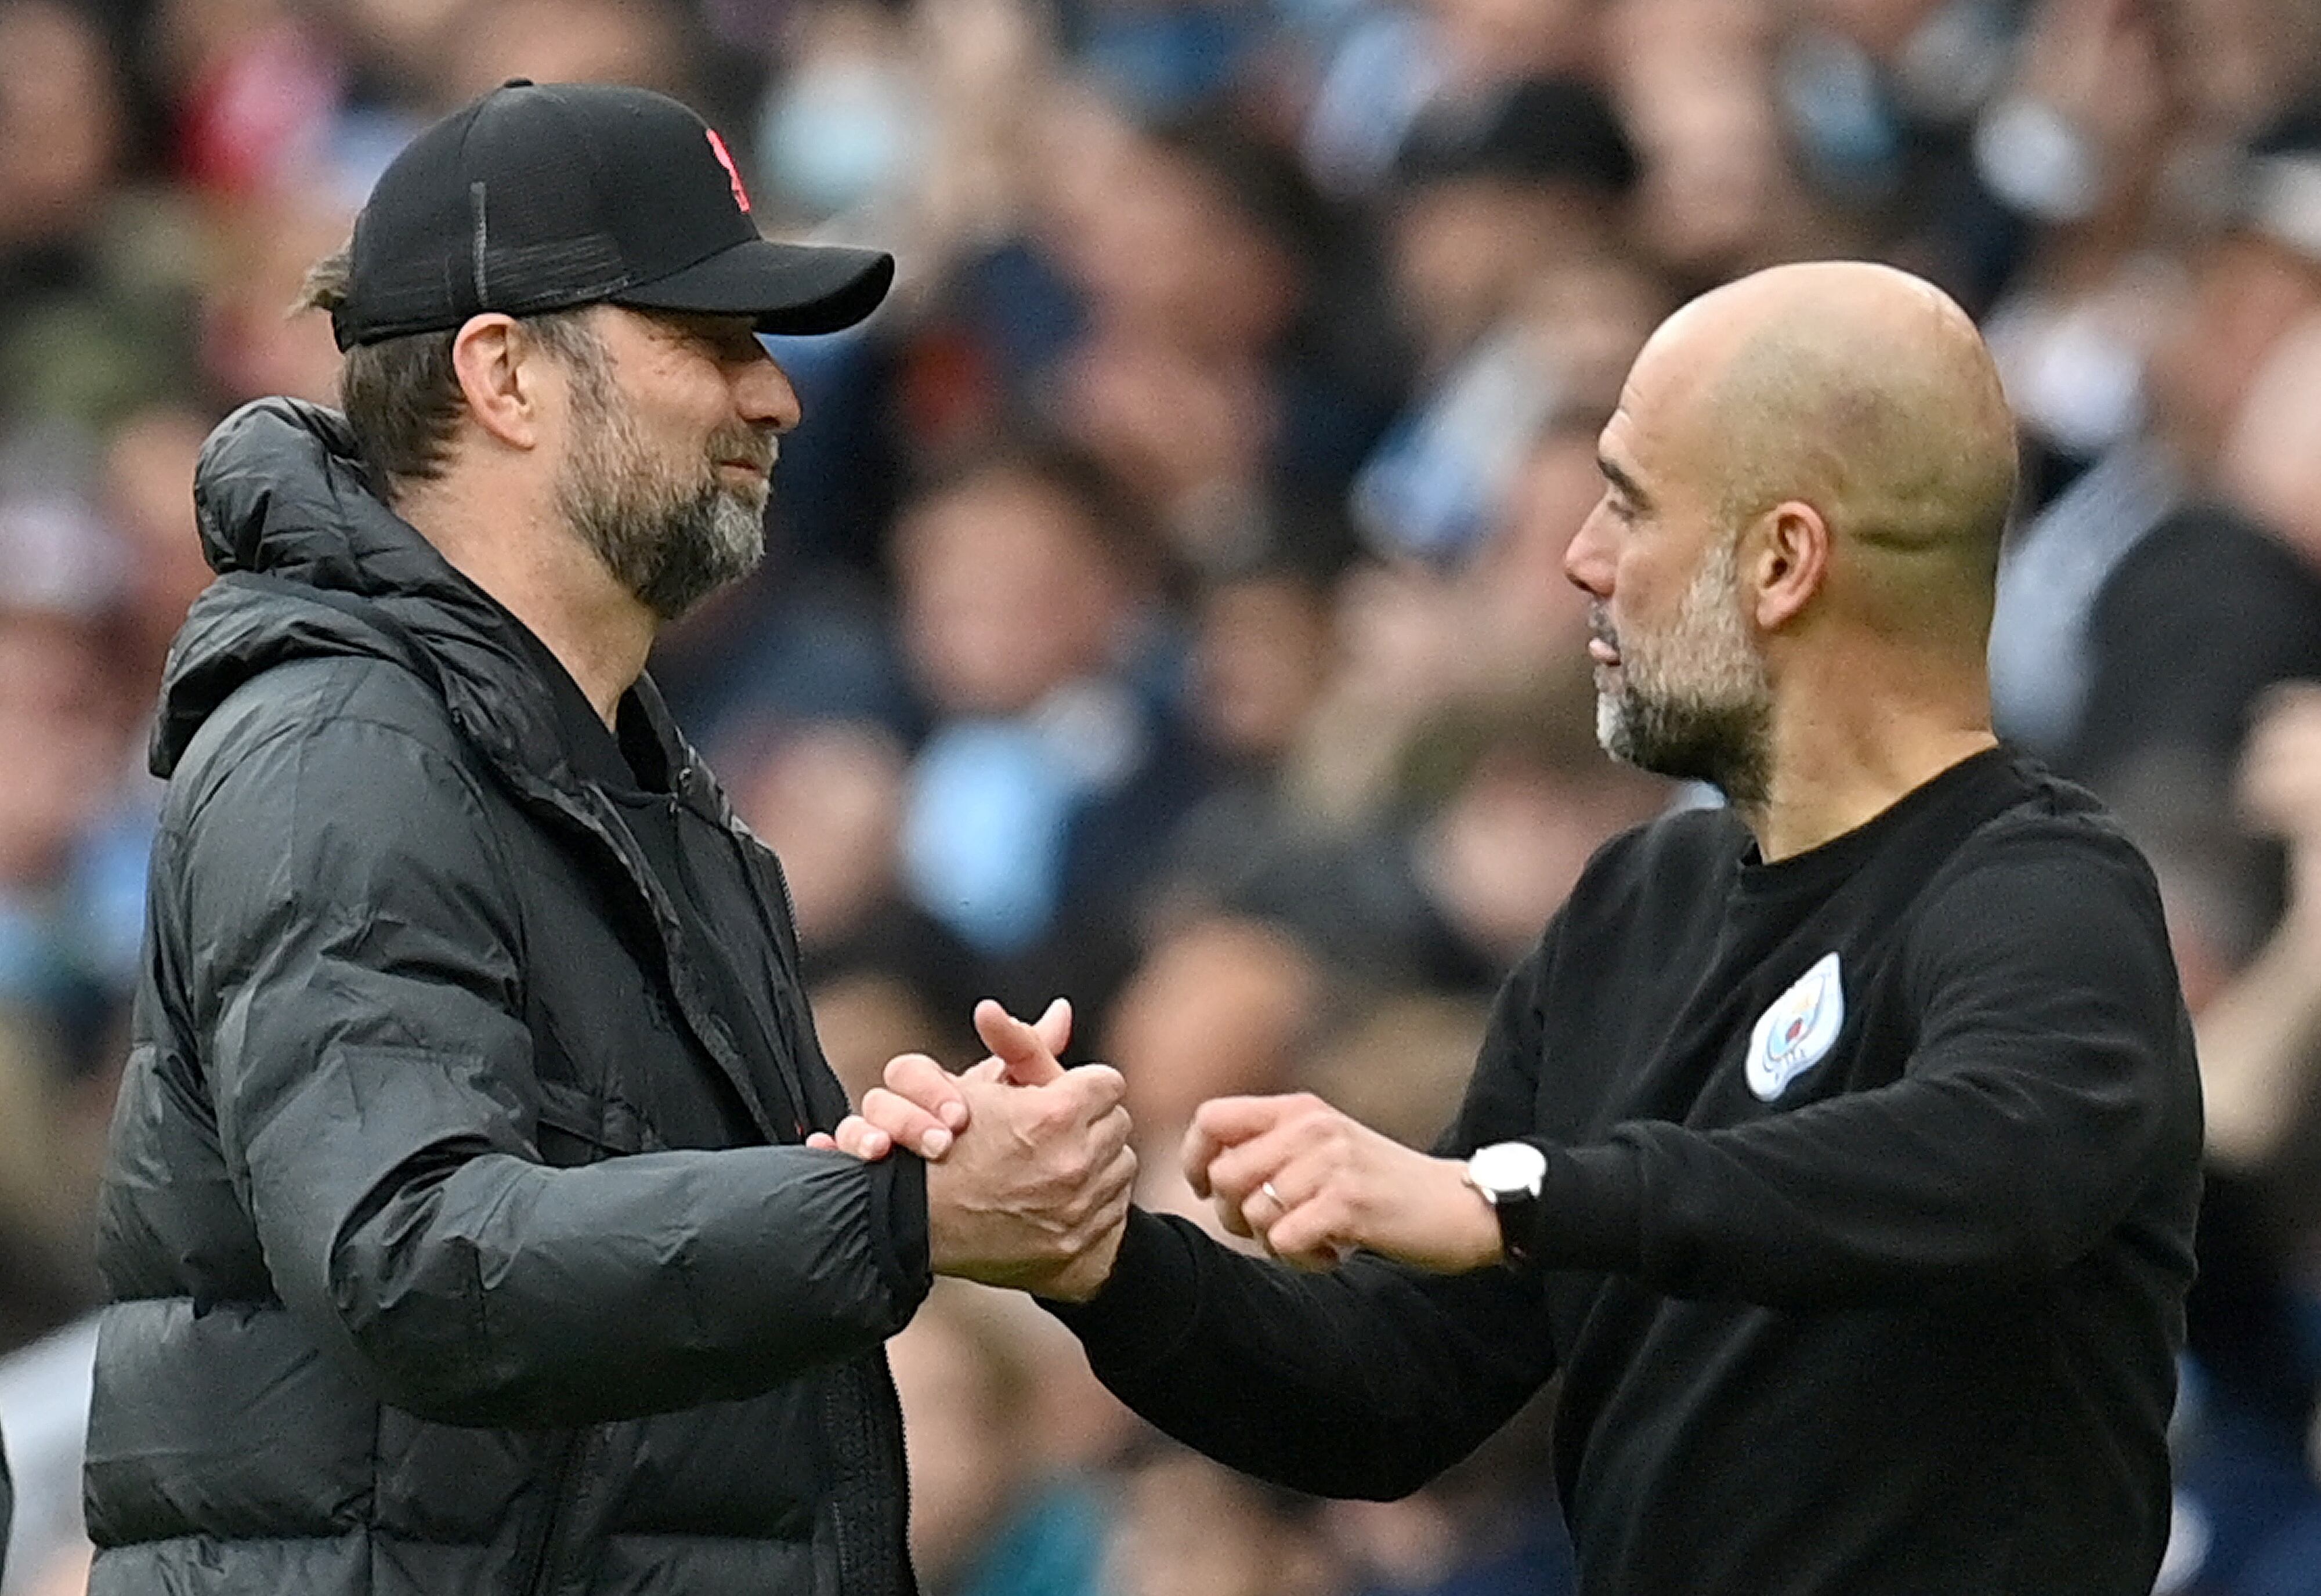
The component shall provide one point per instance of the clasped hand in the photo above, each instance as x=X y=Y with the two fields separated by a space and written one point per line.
x=1309 y=1183
x=1038 y=1196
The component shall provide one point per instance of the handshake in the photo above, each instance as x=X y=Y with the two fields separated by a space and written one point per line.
x=1030 y=1169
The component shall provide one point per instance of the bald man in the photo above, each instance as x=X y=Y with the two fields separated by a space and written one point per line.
x=1840 y=1146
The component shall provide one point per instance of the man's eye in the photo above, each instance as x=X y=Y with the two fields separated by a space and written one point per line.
x=739 y=344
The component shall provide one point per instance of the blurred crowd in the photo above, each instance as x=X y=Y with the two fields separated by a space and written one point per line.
x=1166 y=606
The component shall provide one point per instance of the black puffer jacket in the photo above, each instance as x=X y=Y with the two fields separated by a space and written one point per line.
x=424 y=1277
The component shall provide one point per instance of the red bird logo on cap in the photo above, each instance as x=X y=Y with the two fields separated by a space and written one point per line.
x=733 y=173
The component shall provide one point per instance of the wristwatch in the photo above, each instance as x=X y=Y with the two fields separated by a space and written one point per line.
x=1509 y=1174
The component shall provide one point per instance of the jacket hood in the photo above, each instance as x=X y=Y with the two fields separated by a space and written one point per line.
x=311 y=563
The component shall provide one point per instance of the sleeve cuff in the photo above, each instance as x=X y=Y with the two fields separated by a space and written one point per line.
x=1146 y=1308
x=1590 y=1208
x=898 y=1227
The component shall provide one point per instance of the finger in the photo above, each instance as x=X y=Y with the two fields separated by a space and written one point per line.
x=1242 y=1170
x=1300 y=1220
x=1231 y=1121
x=866 y=1141
x=1118 y=1182
x=908 y=1124
x=1224 y=1122
x=1254 y=1212
x=1113 y=1132
x=1194 y=1155
x=930 y=1086
x=1099 y=1087
x=1030 y=1062
x=1304 y=1237
x=1054 y=1028
x=1121 y=1170
x=1231 y=1216
x=821 y=1141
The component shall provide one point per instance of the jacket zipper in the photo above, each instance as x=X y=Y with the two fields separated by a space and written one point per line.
x=852 y=1427
x=792 y=1009
x=539 y=1567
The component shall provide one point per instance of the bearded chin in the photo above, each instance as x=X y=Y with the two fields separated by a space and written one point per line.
x=717 y=538
x=1721 y=741
x=1694 y=704
x=671 y=551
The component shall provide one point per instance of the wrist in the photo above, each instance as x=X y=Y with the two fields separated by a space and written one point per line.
x=1478 y=1241
x=1509 y=1178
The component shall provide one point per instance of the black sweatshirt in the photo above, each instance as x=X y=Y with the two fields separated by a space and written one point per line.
x=1868 y=1223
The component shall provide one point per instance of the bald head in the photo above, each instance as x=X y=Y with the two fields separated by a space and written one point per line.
x=1867 y=395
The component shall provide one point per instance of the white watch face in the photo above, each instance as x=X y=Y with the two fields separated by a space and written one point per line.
x=1507 y=1169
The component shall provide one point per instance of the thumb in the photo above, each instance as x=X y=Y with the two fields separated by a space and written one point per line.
x=1030 y=1061
x=1054 y=1028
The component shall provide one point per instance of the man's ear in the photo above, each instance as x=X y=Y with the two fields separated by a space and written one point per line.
x=1790 y=563
x=500 y=372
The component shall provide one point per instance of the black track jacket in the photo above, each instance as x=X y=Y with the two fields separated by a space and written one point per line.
x=451 y=1243
x=1866 y=1234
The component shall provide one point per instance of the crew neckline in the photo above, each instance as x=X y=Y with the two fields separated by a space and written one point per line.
x=1824 y=866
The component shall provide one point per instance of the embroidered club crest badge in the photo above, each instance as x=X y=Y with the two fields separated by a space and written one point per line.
x=1796 y=1031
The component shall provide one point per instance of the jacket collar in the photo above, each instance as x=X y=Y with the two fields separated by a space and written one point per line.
x=311 y=562
x=279 y=494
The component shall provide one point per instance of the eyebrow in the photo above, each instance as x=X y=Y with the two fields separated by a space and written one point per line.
x=1626 y=484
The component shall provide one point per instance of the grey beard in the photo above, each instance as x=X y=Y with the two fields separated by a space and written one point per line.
x=669 y=542
x=1692 y=737
x=1694 y=704
x=675 y=554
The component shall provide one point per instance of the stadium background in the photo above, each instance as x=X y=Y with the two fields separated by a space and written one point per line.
x=1166 y=605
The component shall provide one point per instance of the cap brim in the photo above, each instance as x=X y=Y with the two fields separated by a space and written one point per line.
x=788 y=287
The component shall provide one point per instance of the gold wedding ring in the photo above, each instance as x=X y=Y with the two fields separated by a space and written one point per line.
x=1267 y=1187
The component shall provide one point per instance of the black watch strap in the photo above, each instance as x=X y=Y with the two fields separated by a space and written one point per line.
x=1518 y=1217
x=1510 y=1175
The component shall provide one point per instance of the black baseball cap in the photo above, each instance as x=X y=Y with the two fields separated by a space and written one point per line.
x=544 y=196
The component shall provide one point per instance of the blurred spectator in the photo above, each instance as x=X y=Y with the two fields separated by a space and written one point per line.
x=44 y=1391
x=1220 y=1008
x=148 y=494
x=2151 y=548
x=1235 y=364
x=2261 y=1038
x=1694 y=82
x=59 y=133
x=635 y=41
x=842 y=130
x=986 y=1519
x=1493 y=197
x=1037 y=803
x=62 y=721
x=1531 y=802
x=1187 y=1526
x=251 y=345
x=253 y=86
x=85 y=325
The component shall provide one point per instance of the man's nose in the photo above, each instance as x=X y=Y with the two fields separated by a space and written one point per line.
x=1588 y=558
x=763 y=394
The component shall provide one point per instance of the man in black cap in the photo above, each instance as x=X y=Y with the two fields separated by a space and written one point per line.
x=460 y=1224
